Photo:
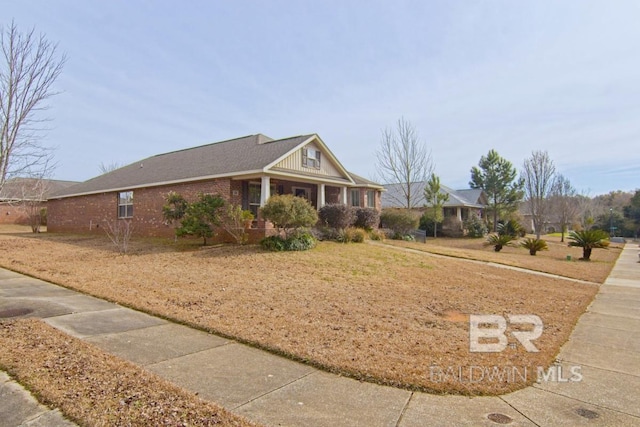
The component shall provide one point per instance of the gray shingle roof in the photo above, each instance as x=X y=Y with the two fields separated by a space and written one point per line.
x=363 y=181
x=394 y=197
x=17 y=189
x=249 y=153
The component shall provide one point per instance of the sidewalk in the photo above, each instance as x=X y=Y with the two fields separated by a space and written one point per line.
x=276 y=391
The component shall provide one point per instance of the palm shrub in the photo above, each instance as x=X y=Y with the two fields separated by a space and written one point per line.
x=498 y=241
x=511 y=228
x=534 y=245
x=589 y=240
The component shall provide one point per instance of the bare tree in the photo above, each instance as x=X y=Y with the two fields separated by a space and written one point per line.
x=108 y=167
x=588 y=209
x=403 y=159
x=119 y=232
x=34 y=194
x=30 y=65
x=29 y=194
x=564 y=203
x=539 y=175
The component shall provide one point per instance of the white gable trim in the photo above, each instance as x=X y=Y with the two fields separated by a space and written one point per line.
x=315 y=138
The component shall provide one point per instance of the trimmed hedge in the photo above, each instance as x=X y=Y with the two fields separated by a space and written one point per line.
x=401 y=222
x=367 y=218
x=337 y=216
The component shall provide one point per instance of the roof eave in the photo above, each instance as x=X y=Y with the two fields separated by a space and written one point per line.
x=154 y=184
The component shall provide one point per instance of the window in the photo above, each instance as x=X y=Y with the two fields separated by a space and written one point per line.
x=355 y=197
x=311 y=158
x=254 y=198
x=255 y=190
x=125 y=204
x=371 y=198
x=303 y=192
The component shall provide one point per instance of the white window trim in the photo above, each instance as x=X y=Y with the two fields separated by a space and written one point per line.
x=125 y=205
x=353 y=190
x=371 y=201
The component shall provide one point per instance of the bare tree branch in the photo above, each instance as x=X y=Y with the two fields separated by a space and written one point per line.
x=405 y=160
x=539 y=175
x=108 y=167
x=564 y=203
x=30 y=65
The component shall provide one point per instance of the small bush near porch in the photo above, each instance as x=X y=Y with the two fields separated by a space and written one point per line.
x=291 y=216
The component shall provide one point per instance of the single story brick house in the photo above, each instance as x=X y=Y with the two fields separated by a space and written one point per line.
x=245 y=171
x=460 y=205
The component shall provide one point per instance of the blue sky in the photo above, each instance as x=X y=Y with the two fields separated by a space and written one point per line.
x=146 y=77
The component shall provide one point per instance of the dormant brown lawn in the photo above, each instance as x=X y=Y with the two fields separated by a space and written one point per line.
x=553 y=261
x=374 y=313
x=97 y=389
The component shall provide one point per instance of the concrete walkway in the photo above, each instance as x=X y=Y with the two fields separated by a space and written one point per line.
x=605 y=349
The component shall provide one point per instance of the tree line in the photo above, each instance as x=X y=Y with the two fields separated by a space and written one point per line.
x=537 y=192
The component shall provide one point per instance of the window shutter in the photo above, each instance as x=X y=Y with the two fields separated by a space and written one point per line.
x=318 y=159
x=305 y=158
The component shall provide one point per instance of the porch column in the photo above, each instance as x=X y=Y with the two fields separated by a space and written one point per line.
x=265 y=190
x=320 y=195
x=459 y=214
x=344 y=196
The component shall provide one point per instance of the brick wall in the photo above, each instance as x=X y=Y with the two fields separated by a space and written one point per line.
x=12 y=214
x=87 y=214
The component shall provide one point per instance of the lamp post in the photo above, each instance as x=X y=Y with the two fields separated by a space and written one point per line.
x=611 y=222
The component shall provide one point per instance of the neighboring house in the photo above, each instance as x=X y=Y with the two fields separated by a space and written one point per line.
x=460 y=205
x=245 y=171
x=551 y=223
x=20 y=195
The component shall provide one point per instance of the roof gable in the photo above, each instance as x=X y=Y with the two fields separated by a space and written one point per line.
x=330 y=167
